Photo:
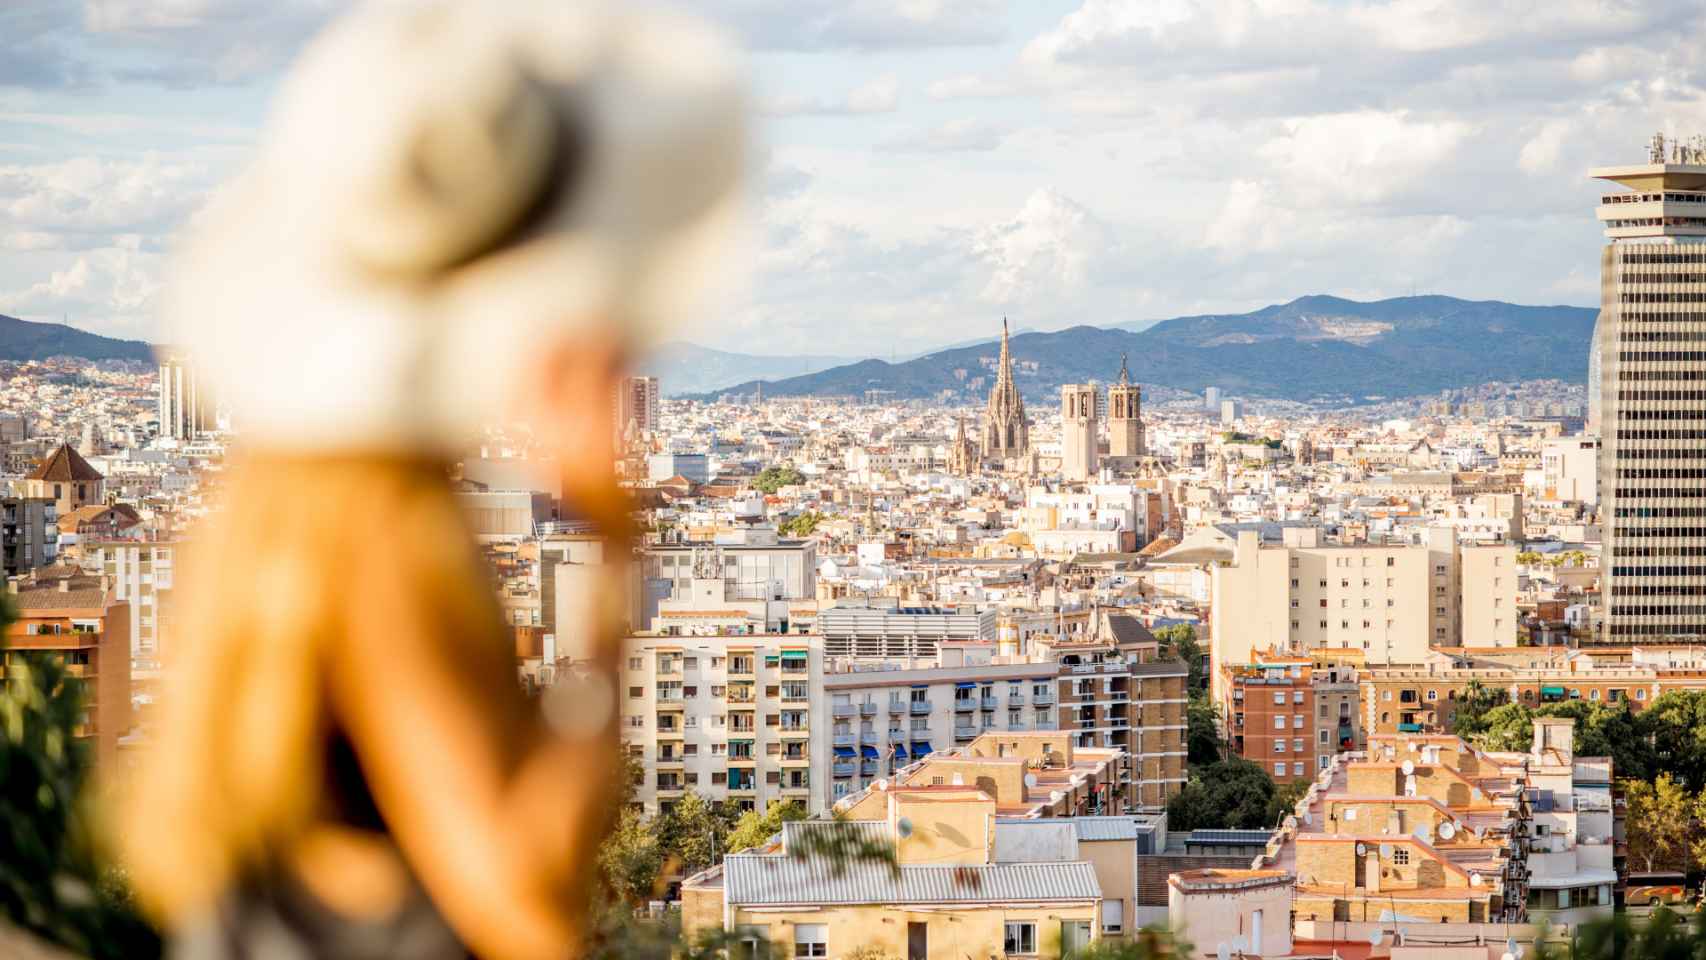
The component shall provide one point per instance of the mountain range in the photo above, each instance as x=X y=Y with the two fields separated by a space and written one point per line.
x=1313 y=348
x=29 y=340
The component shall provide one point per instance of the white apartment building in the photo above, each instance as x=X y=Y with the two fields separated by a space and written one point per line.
x=142 y=574
x=750 y=582
x=732 y=718
x=1569 y=469
x=884 y=719
x=1379 y=604
x=1570 y=865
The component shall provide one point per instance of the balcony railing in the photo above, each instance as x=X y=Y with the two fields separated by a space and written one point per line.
x=871 y=768
x=897 y=706
x=845 y=740
x=843 y=768
x=868 y=708
x=1043 y=699
x=843 y=710
x=965 y=705
x=870 y=737
x=965 y=733
x=990 y=703
x=898 y=736
x=920 y=706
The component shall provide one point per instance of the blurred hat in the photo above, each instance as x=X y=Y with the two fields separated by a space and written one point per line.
x=443 y=187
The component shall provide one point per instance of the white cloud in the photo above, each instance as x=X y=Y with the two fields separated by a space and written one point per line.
x=860 y=24
x=1042 y=256
x=972 y=86
x=114 y=290
x=954 y=136
x=880 y=95
x=1361 y=157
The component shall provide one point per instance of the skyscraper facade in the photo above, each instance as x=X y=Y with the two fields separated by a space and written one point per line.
x=638 y=402
x=1652 y=331
x=1006 y=432
x=185 y=409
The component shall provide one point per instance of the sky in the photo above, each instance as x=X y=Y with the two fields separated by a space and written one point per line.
x=923 y=168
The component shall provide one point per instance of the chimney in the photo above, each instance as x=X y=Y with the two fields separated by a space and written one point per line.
x=64 y=584
x=12 y=585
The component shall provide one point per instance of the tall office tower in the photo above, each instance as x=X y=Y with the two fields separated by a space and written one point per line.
x=185 y=409
x=1652 y=327
x=1125 y=416
x=1006 y=432
x=1211 y=399
x=637 y=407
x=1078 y=431
x=1595 y=369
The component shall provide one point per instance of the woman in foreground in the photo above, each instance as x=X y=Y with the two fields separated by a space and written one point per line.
x=463 y=214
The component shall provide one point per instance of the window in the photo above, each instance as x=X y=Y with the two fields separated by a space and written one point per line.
x=1401 y=856
x=1297 y=721
x=811 y=940
x=1279 y=768
x=1391 y=562
x=1640 y=694
x=690 y=663
x=636 y=663
x=1279 y=698
x=636 y=693
x=1433 y=694
x=1279 y=723
x=1297 y=768
x=1297 y=745
x=1322 y=737
x=1021 y=938
x=1279 y=746
x=1297 y=696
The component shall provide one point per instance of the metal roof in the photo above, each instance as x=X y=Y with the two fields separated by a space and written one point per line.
x=752 y=879
x=1105 y=828
x=1229 y=836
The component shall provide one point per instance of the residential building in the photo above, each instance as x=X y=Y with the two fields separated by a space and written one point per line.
x=948 y=894
x=736 y=718
x=638 y=404
x=1273 y=720
x=1653 y=458
x=748 y=582
x=77 y=620
x=1570 y=469
x=871 y=631
x=29 y=533
x=692 y=467
x=143 y=575
x=1227 y=911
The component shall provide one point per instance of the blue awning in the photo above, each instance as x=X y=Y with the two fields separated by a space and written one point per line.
x=900 y=749
x=921 y=747
x=844 y=751
x=966 y=686
x=870 y=753
x=921 y=686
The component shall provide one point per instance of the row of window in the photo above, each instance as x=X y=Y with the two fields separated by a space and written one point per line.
x=1672 y=434
x=1658 y=571
x=1620 y=550
x=1633 y=222
x=1662 y=356
x=1655 y=533
x=1634 y=396
x=1659 y=473
x=1657 y=610
x=1671 y=453
x=1657 y=590
x=1658 y=512
x=1651 y=630
x=1662 y=278
x=1633 y=415
x=1659 y=376
x=1628 y=335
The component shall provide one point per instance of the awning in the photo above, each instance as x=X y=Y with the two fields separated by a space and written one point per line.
x=921 y=686
x=900 y=749
x=1551 y=691
x=921 y=748
x=844 y=751
x=966 y=686
x=870 y=753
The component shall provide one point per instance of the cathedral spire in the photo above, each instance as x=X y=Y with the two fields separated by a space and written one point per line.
x=1125 y=375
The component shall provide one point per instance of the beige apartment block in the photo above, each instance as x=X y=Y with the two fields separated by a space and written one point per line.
x=736 y=718
x=1365 y=603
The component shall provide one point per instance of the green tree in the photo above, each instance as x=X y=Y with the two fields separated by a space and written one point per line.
x=1658 y=823
x=772 y=479
x=1179 y=641
x=1202 y=736
x=631 y=859
x=1675 y=726
x=1284 y=801
x=755 y=828
x=800 y=525
x=1233 y=793
x=694 y=833
x=1470 y=716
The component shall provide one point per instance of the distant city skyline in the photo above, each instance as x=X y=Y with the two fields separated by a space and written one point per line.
x=924 y=168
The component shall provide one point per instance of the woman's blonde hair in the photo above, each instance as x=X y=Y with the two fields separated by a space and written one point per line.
x=285 y=571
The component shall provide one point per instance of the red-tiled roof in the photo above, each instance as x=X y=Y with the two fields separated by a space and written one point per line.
x=65 y=465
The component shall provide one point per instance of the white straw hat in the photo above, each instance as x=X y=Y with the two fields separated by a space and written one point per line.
x=443 y=187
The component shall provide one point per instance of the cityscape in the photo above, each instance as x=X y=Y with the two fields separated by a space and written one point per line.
x=1353 y=627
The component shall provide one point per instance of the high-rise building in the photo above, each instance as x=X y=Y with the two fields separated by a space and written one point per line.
x=1231 y=411
x=1125 y=418
x=1006 y=432
x=638 y=400
x=1653 y=410
x=1078 y=431
x=1211 y=399
x=185 y=408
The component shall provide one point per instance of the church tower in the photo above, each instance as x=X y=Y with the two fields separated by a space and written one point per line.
x=962 y=455
x=1078 y=431
x=1006 y=432
x=1125 y=419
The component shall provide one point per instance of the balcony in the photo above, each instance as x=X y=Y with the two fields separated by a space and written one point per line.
x=990 y=703
x=747 y=760
x=897 y=706
x=792 y=788
x=797 y=731
x=740 y=667
x=920 y=707
x=794 y=668
x=871 y=768
x=843 y=710
x=870 y=737
x=845 y=740
x=898 y=736
x=1043 y=699
x=965 y=733
x=794 y=759
x=743 y=786
x=965 y=705
x=868 y=708
x=843 y=768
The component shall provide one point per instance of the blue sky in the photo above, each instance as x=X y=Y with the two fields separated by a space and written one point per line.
x=926 y=166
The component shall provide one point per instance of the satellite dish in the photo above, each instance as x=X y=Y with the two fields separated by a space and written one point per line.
x=1414 y=746
x=1422 y=833
x=903 y=828
x=1447 y=830
x=1362 y=850
x=1511 y=946
x=1377 y=938
x=1221 y=951
x=1474 y=879
x=1031 y=780
x=1409 y=767
x=1308 y=818
x=1386 y=851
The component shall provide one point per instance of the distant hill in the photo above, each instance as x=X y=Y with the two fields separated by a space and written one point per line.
x=1316 y=347
x=28 y=340
x=687 y=368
